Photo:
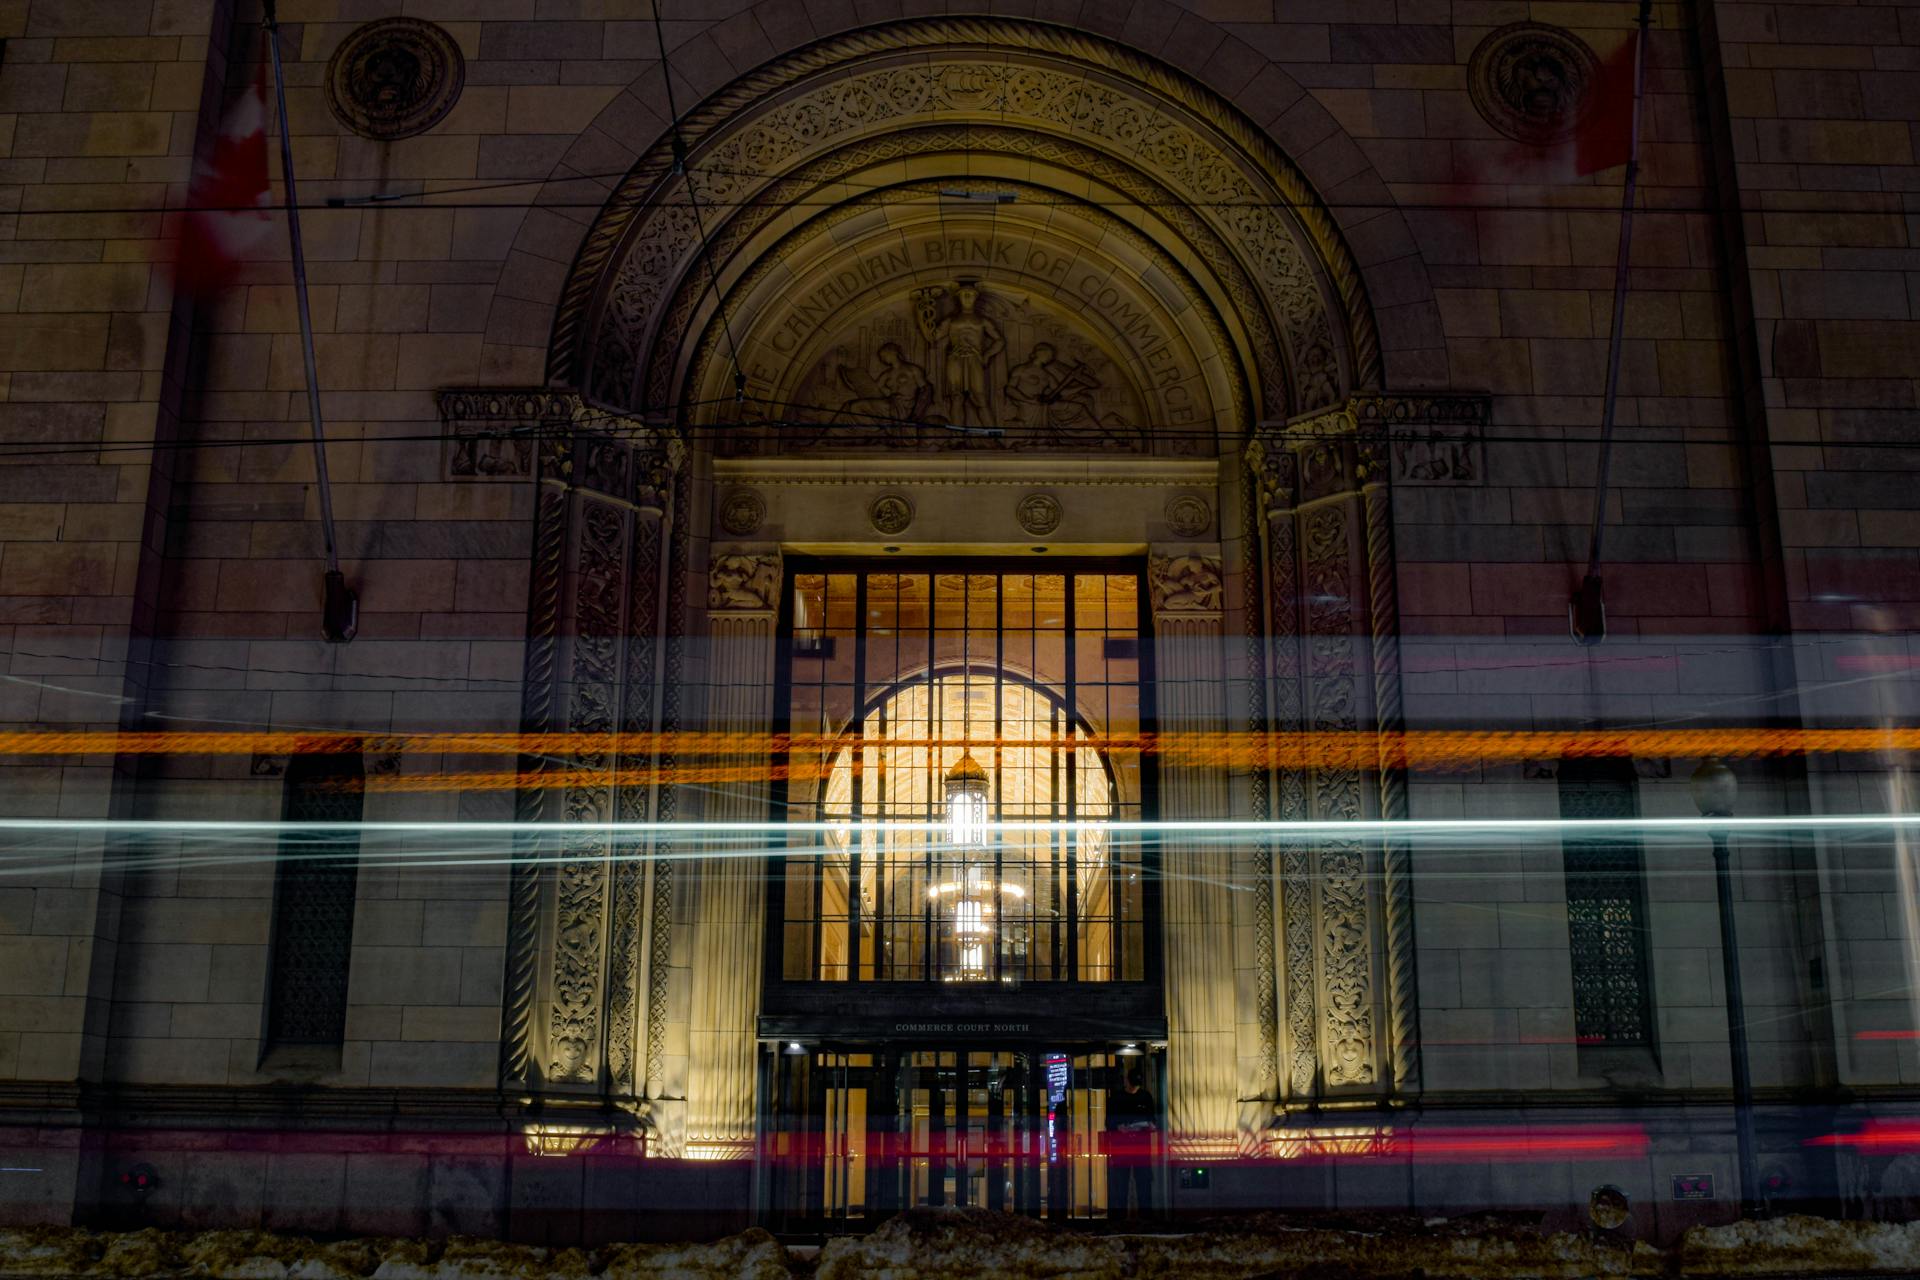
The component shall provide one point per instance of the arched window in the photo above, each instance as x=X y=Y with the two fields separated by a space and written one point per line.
x=954 y=727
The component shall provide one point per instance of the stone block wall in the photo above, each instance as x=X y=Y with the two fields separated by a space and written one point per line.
x=1766 y=419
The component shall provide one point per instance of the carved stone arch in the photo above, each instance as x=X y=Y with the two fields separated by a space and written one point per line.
x=1221 y=181
x=1164 y=305
x=1233 y=252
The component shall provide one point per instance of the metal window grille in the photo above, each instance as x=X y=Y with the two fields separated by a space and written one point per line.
x=1606 y=908
x=314 y=886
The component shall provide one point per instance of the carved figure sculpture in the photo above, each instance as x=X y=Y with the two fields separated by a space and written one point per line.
x=1050 y=393
x=740 y=581
x=1184 y=584
x=964 y=343
x=898 y=390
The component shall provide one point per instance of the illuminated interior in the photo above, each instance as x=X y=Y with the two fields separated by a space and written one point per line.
x=961 y=744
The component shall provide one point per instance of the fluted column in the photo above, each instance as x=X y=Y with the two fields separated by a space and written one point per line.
x=742 y=604
x=1196 y=910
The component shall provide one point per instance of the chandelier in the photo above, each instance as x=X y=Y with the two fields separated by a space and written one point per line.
x=969 y=897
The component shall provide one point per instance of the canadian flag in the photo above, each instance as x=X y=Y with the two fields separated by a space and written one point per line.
x=227 y=218
x=1603 y=138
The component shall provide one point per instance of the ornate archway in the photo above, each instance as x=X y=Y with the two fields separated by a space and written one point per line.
x=1054 y=164
x=956 y=234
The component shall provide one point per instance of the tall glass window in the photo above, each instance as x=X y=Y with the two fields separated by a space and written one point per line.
x=955 y=701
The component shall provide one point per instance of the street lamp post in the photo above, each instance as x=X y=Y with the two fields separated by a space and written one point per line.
x=1714 y=790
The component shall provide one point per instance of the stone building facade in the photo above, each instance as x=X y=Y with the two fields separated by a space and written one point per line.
x=1263 y=341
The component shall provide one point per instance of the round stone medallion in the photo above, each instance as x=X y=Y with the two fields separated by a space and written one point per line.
x=1533 y=82
x=394 y=78
x=890 y=513
x=742 y=511
x=1188 y=515
x=1038 y=513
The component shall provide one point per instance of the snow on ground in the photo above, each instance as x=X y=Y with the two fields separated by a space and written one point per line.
x=955 y=1243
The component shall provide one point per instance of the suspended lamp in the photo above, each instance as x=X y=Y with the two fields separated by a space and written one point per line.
x=966 y=787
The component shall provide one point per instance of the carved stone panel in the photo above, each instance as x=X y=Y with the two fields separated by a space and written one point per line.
x=575 y=1008
x=1345 y=946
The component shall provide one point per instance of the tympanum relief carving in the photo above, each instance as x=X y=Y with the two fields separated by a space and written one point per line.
x=964 y=354
x=1247 y=238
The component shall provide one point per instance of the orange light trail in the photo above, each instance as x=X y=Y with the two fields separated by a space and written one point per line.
x=707 y=757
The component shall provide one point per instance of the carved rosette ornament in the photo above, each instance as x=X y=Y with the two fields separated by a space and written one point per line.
x=394 y=78
x=1188 y=515
x=1533 y=82
x=1347 y=1017
x=1038 y=514
x=742 y=512
x=890 y=514
x=576 y=1008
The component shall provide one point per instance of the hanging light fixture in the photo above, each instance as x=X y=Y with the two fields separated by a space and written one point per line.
x=966 y=787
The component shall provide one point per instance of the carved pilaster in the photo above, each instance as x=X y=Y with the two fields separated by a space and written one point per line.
x=1346 y=917
x=572 y=1016
x=1202 y=1104
x=1276 y=474
x=743 y=596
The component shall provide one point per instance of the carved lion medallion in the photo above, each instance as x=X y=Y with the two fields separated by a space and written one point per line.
x=1533 y=82
x=394 y=78
x=890 y=514
x=742 y=511
x=1038 y=513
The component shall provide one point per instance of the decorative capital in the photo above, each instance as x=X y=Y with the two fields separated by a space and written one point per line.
x=509 y=432
x=657 y=460
x=492 y=431
x=744 y=582
x=1374 y=438
x=1274 y=472
x=1185 y=585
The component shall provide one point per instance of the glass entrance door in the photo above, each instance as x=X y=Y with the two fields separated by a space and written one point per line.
x=854 y=1137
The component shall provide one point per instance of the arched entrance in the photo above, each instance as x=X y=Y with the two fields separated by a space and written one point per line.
x=877 y=283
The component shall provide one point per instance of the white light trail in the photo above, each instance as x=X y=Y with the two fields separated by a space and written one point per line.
x=1376 y=826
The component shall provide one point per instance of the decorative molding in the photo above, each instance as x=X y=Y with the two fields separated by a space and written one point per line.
x=1185 y=584
x=394 y=78
x=492 y=433
x=1026 y=473
x=743 y=582
x=501 y=432
x=1258 y=722
x=1038 y=514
